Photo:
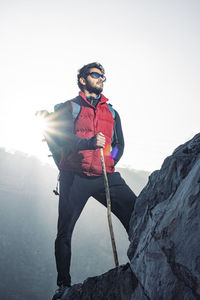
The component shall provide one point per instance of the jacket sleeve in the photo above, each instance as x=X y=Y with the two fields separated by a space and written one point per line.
x=118 y=140
x=64 y=130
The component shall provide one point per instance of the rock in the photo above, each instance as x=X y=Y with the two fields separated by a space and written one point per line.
x=118 y=283
x=164 y=237
x=165 y=228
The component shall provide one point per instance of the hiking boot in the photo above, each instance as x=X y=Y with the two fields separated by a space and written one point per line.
x=60 y=291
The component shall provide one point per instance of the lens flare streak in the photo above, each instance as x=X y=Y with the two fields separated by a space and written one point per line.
x=108 y=152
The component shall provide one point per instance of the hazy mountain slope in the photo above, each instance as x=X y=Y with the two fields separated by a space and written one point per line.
x=28 y=220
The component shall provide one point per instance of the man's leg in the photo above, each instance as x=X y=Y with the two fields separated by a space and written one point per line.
x=73 y=197
x=122 y=198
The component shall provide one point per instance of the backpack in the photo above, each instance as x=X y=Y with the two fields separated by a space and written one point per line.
x=50 y=137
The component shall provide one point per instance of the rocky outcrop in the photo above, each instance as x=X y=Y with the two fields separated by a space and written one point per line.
x=164 y=237
x=118 y=283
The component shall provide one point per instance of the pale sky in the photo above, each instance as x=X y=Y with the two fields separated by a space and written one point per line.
x=150 y=51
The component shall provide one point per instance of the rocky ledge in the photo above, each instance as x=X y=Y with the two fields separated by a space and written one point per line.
x=164 y=235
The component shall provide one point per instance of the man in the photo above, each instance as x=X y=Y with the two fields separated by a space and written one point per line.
x=81 y=176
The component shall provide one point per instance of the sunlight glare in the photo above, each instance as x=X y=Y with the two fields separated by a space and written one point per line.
x=40 y=125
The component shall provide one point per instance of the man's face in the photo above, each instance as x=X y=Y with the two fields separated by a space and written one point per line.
x=94 y=85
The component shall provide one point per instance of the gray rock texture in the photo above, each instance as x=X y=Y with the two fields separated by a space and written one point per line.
x=164 y=249
x=118 y=283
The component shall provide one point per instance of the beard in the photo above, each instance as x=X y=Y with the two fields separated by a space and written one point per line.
x=93 y=89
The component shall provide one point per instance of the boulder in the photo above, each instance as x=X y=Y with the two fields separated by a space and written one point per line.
x=118 y=283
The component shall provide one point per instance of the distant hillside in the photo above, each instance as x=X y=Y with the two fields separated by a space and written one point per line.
x=28 y=220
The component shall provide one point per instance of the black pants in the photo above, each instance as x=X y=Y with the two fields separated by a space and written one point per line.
x=75 y=189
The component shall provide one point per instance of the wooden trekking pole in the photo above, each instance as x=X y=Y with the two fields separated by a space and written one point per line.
x=109 y=208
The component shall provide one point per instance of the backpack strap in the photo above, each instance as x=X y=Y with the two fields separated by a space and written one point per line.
x=75 y=109
x=111 y=110
x=113 y=114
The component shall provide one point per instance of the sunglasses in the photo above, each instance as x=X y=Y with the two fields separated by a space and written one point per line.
x=97 y=75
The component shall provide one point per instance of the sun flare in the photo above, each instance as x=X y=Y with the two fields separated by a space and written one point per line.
x=25 y=133
x=40 y=125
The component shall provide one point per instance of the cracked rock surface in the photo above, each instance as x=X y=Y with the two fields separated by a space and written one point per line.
x=165 y=228
x=164 y=249
x=118 y=283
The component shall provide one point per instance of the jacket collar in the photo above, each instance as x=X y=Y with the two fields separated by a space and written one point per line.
x=103 y=99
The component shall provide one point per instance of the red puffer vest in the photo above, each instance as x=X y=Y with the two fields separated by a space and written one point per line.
x=90 y=121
